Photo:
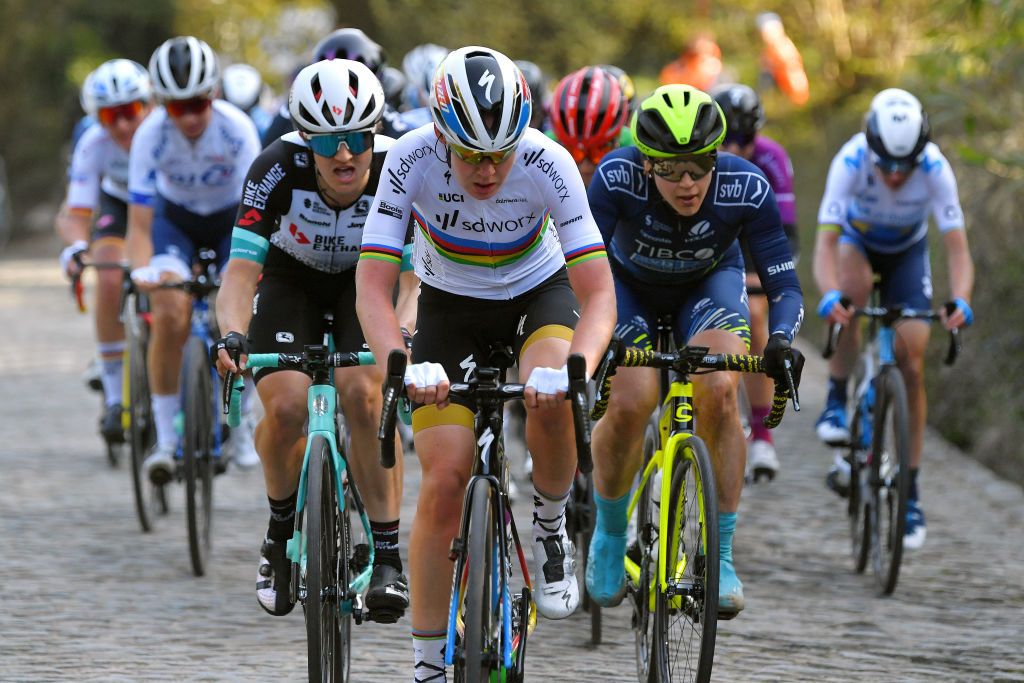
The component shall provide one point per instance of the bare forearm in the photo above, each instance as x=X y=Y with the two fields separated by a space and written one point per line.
x=73 y=225
x=234 y=300
x=826 y=260
x=408 y=297
x=597 y=322
x=375 y=283
x=139 y=240
x=961 y=274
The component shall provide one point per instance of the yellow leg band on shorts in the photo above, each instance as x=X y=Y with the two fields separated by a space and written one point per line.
x=429 y=416
x=557 y=331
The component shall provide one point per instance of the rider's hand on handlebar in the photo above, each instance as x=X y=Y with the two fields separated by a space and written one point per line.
x=427 y=383
x=834 y=309
x=68 y=263
x=230 y=353
x=956 y=313
x=776 y=352
x=546 y=387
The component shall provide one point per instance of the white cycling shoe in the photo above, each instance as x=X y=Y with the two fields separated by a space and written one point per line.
x=241 y=446
x=557 y=594
x=762 y=461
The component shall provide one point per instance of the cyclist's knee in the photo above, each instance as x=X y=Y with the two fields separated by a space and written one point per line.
x=286 y=415
x=441 y=493
x=716 y=393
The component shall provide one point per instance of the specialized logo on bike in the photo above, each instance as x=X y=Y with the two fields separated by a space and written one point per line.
x=740 y=188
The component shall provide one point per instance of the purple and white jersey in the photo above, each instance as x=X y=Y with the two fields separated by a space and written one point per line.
x=771 y=158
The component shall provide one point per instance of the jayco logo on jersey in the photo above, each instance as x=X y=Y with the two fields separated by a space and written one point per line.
x=536 y=158
x=450 y=197
x=256 y=194
x=740 y=188
x=620 y=175
x=398 y=176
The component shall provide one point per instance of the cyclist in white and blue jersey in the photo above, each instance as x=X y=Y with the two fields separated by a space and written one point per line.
x=186 y=169
x=881 y=188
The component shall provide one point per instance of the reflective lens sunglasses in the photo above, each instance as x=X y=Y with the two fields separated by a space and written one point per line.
x=673 y=169
x=328 y=144
x=195 y=105
x=108 y=116
x=890 y=166
x=594 y=153
x=475 y=158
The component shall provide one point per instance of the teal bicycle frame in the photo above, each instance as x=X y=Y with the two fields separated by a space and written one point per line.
x=322 y=406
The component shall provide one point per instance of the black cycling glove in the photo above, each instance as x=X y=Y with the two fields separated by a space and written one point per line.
x=776 y=351
x=235 y=343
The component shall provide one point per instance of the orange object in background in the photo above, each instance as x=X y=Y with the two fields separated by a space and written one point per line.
x=699 y=65
x=782 y=59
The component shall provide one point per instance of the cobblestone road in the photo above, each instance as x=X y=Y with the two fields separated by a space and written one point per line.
x=85 y=596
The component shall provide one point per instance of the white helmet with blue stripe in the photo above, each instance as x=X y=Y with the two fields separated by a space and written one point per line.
x=118 y=81
x=480 y=100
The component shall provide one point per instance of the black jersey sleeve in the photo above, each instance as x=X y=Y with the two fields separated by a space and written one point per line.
x=265 y=198
x=773 y=260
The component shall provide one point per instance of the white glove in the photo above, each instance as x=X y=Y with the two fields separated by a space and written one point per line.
x=146 y=274
x=68 y=253
x=425 y=375
x=549 y=380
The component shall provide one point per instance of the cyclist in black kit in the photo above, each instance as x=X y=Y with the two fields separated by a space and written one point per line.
x=300 y=225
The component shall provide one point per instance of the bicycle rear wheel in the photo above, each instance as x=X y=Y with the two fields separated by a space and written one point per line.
x=640 y=591
x=890 y=478
x=480 y=642
x=197 y=451
x=327 y=572
x=686 y=612
x=150 y=500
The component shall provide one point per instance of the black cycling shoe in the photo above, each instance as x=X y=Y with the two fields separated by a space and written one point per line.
x=273 y=582
x=110 y=424
x=388 y=595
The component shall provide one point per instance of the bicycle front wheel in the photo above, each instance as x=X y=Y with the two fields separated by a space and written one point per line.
x=890 y=478
x=197 y=452
x=686 y=610
x=150 y=500
x=328 y=640
x=480 y=642
x=646 y=559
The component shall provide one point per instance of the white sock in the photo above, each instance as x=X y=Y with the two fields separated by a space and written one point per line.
x=110 y=371
x=548 y=514
x=428 y=657
x=165 y=409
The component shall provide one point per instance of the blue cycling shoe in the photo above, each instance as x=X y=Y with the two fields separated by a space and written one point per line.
x=606 y=571
x=730 y=591
x=831 y=426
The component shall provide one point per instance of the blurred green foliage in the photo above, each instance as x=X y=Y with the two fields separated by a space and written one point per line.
x=963 y=58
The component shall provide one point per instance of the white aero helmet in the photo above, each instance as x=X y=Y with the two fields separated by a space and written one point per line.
x=480 y=100
x=241 y=85
x=182 y=68
x=896 y=129
x=116 y=82
x=335 y=96
x=419 y=65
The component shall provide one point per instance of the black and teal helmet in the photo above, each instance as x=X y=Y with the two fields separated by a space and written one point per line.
x=676 y=120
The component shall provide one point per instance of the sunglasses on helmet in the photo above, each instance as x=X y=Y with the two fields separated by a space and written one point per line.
x=328 y=144
x=674 y=168
x=594 y=153
x=129 y=111
x=194 y=105
x=474 y=157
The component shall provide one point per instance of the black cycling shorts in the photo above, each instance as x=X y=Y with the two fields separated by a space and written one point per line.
x=289 y=306
x=458 y=332
x=112 y=219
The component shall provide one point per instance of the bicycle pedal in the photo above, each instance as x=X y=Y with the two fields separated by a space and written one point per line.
x=384 y=615
x=220 y=465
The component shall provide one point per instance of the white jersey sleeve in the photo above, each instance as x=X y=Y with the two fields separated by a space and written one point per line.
x=842 y=175
x=387 y=224
x=86 y=172
x=944 y=193
x=142 y=159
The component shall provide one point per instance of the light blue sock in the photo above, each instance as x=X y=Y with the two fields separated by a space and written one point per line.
x=611 y=514
x=726 y=527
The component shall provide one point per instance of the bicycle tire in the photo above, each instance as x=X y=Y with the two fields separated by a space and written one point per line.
x=858 y=518
x=479 y=640
x=890 y=478
x=150 y=500
x=692 y=525
x=643 y=614
x=587 y=533
x=326 y=568
x=197 y=452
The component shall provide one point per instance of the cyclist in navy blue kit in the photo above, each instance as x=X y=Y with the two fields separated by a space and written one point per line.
x=671 y=210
